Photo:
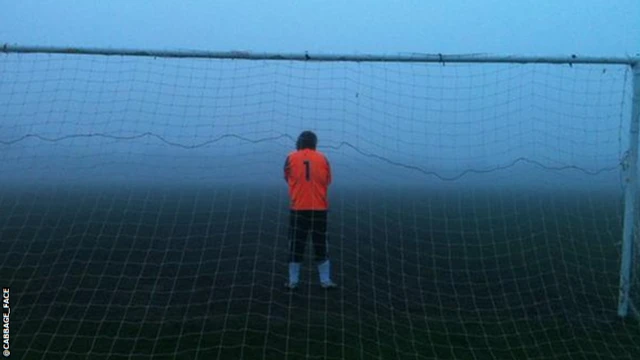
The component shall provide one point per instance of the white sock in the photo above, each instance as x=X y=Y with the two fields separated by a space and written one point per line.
x=294 y=272
x=324 y=271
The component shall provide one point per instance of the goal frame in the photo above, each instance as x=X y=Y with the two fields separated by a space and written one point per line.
x=629 y=164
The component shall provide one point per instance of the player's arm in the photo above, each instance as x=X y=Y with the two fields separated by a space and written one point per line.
x=329 y=176
x=287 y=169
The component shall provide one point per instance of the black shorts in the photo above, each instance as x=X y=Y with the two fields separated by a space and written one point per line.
x=301 y=224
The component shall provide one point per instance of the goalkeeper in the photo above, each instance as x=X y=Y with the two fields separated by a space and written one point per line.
x=308 y=174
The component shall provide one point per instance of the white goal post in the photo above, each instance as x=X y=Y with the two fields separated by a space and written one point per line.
x=630 y=202
x=629 y=166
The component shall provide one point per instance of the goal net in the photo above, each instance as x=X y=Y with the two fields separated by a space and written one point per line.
x=476 y=210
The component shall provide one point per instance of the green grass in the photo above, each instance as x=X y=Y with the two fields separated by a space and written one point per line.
x=198 y=273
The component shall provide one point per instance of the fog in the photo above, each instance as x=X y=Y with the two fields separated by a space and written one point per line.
x=92 y=119
x=72 y=118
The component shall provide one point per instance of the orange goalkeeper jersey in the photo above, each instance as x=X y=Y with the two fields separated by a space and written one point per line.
x=309 y=175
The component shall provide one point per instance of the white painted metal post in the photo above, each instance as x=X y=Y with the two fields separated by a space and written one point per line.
x=400 y=58
x=631 y=170
x=631 y=187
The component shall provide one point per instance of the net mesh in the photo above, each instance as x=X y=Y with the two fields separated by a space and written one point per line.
x=476 y=210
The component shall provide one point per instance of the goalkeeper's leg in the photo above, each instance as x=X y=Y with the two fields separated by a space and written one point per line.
x=299 y=225
x=320 y=243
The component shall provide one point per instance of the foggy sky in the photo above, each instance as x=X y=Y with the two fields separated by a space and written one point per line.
x=234 y=121
x=527 y=27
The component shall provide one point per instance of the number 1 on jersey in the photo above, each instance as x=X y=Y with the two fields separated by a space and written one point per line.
x=307 y=169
